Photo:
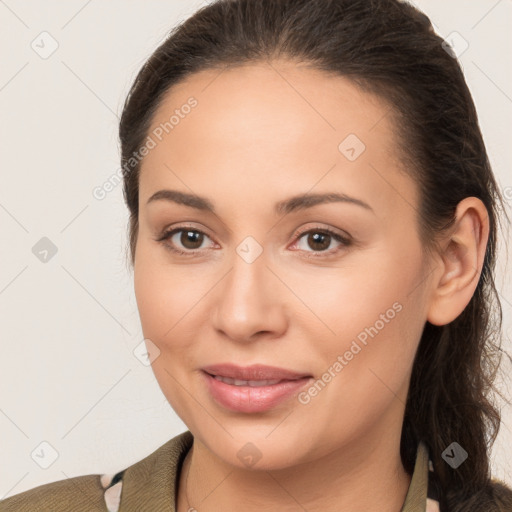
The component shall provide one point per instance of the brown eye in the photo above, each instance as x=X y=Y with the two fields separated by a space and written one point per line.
x=190 y=238
x=319 y=241
x=188 y=242
x=184 y=241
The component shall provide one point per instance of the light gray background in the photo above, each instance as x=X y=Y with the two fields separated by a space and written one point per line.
x=69 y=326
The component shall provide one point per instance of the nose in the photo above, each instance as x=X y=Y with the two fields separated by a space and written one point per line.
x=249 y=303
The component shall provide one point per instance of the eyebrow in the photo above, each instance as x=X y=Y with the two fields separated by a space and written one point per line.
x=292 y=204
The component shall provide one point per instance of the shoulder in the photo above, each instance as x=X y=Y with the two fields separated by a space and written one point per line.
x=496 y=496
x=82 y=493
x=141 y=482
x=500 y=495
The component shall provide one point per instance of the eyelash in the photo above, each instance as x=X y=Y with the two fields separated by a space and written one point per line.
x=345 y=241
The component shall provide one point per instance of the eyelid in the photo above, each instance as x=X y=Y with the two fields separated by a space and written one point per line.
x=320 y=228
x=344 y=239
x=167 y=233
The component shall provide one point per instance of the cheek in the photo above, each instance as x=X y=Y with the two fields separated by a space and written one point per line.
x=151 y=298
x=365 y=298
x=163 y=303
x=164 y=294
x=372 y=312
x=365 y=372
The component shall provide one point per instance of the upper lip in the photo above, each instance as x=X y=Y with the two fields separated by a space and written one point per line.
x=253 y=372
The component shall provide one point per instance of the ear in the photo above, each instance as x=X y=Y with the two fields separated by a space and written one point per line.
x=461 y=261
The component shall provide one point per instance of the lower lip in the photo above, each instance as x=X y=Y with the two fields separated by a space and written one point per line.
x=253 y=399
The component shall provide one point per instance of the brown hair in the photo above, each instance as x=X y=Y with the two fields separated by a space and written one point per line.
x=387 y=48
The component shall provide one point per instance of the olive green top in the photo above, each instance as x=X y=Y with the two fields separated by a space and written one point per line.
x=150 y=485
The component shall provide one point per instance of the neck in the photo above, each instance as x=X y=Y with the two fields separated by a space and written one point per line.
x=365 y=475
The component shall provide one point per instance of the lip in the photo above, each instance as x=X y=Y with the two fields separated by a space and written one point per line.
x=253 y=372
x=251 y=399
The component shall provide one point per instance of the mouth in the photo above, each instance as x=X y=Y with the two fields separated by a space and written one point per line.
x=253 y=373
x=251 y=383
x=251 y=389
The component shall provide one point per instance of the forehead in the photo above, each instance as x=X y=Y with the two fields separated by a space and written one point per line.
x=262 y=99
x=273 y=127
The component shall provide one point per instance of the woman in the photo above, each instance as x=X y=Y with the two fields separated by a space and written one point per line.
x=313 y=226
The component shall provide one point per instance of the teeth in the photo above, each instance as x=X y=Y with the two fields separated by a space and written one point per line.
x=251 y=383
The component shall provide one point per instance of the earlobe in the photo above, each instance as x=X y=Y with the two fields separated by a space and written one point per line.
x=461 y=261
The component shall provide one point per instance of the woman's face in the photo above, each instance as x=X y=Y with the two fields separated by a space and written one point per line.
x=260 y=285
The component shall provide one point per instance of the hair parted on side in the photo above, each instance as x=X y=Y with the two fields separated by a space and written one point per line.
x=389 y=49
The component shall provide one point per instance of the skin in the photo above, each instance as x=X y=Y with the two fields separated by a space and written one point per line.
x=260 y=134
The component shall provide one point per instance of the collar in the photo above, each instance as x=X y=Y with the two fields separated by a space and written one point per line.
x=416 y=497
x=155 y=478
